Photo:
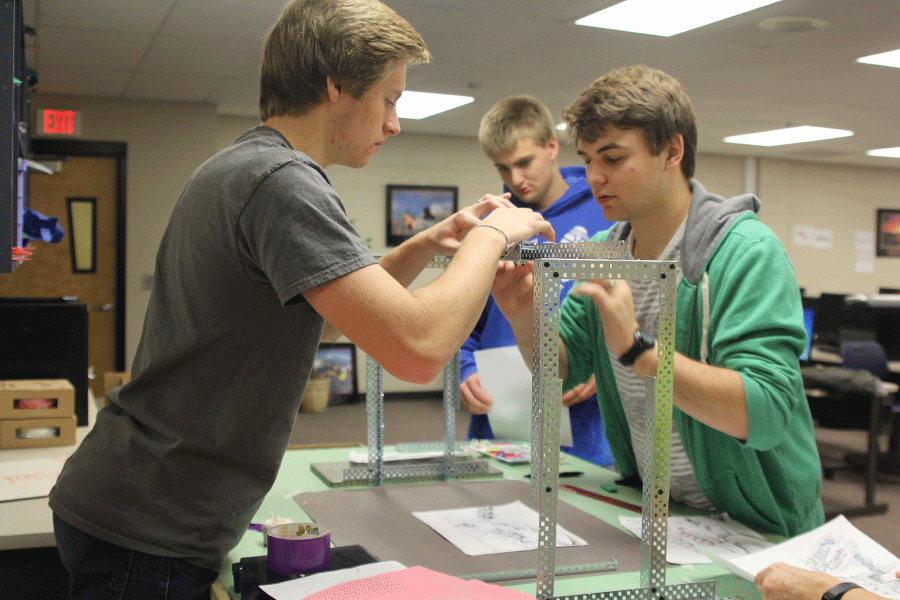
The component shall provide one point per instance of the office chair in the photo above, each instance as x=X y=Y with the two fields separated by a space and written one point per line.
x=870 y=356
x=866 y=355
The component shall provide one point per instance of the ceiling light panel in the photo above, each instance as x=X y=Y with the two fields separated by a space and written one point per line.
x=789 y=135
x=886 y=152
x=887 y=59
x=667 y=18
x=419 y=105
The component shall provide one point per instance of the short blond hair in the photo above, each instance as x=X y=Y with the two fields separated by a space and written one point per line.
x=513 y=118
x=355 y=42
x=636 y=97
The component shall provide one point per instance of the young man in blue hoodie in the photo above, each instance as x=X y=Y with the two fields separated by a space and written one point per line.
x=517 y=134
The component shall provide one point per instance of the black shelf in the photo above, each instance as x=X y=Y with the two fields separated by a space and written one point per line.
x=15 y=138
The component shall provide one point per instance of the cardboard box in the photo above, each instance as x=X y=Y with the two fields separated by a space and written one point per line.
x=111 y=380
x=36 y=398
x=36 y=433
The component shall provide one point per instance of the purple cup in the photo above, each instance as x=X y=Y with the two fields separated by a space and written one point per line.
x=299 y=548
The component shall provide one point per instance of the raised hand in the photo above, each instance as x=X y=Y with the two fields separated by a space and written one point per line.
x=513 y=290
x=580 y=392
x=473 y=397
x=445 y=237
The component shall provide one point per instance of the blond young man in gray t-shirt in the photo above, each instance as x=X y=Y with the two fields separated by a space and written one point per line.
x=259 y=263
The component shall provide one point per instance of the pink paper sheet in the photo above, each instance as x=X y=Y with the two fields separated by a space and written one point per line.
x=418 y=583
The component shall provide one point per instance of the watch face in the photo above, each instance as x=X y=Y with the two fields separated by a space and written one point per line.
x=644 y=339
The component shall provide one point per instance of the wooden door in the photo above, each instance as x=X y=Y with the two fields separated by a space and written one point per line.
x=50 y=272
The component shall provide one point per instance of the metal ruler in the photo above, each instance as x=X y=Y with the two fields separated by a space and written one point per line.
x=612 y=565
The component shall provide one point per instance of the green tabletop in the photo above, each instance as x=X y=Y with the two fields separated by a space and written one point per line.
x=295 y=475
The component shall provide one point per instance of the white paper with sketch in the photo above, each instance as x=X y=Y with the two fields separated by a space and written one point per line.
x=481 y=530
x=31 y=478
x=720 y=533
x=837 y=548
x=505 y=376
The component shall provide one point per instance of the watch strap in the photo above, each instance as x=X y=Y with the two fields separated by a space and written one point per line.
x=643 y=341
x=839 y=590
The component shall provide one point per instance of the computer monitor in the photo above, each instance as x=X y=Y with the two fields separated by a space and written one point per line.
x=809 y=320
x=887 y=332
x=858 y=322
x=829 y=319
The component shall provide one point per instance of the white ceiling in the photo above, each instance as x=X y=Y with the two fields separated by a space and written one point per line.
x=741 y=77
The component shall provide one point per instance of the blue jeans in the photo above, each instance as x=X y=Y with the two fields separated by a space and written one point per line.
x=103 y=571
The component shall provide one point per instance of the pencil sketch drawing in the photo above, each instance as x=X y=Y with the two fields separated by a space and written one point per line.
x=483 y=530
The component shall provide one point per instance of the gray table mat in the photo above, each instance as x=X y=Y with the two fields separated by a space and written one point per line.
x=381 y=520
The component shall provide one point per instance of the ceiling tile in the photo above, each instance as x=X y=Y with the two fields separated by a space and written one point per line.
x=102 y=15
x=190 y=55
x=97 y=50
x=85 y=82
x=169 y=86
x=223 y=19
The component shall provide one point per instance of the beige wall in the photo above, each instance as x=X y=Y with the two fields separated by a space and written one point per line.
x=840 y=201
x=167 y=141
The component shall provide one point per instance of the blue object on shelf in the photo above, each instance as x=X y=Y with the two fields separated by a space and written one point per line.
x=42 y=227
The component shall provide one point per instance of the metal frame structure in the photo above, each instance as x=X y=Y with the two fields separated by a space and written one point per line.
x=551 y=269
x=553 y=264
x=376 y=472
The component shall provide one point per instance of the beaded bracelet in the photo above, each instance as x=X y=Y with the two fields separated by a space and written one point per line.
x=508 y=244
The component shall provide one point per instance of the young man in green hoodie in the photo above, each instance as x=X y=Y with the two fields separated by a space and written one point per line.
x=742 y=434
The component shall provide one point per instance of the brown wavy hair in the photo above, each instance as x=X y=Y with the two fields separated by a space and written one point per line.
x=636 y=97
x=355 y=42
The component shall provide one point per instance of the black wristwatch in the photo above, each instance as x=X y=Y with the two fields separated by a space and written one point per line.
x=839 y=590
x=643 y=341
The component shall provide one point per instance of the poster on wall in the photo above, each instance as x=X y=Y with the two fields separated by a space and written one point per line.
x=337 y=361
x=887 y=230
x=414 y=208
x=813 y=237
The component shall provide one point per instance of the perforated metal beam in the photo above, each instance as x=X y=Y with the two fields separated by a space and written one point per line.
x=547 y=395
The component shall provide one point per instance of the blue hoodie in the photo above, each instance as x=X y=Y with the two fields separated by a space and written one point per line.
x=575 y=217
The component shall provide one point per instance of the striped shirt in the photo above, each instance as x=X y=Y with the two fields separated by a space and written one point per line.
x=683 y=484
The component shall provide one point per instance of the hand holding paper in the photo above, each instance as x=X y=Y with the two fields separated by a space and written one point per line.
x=836 y=548
x=506 y=377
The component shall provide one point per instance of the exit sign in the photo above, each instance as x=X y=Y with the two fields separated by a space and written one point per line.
x=60 y=122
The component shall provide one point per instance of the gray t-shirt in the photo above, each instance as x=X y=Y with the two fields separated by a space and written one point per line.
x=179 y=462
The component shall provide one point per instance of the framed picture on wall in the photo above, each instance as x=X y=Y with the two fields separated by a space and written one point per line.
x=414 y=208
x=337 y=362
x=887 y=232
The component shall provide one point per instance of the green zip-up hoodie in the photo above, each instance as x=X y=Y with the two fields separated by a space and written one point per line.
x=738 y=307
